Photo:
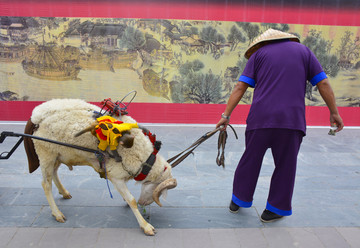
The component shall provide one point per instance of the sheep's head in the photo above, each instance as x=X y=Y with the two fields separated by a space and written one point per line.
x=151 y=192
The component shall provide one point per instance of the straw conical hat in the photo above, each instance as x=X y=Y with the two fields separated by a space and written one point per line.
x=268 y=35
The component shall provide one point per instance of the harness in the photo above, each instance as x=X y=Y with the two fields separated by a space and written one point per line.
x=147 y=165
x=105 y=138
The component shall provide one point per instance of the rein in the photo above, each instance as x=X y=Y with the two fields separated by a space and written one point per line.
x=177 y=159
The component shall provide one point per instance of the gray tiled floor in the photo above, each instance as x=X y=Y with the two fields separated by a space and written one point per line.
x=326 y=203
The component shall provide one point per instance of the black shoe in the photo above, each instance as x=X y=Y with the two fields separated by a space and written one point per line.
x=233 y=208
x=268 y=216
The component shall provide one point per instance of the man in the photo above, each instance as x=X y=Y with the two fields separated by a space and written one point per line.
x=278 y=68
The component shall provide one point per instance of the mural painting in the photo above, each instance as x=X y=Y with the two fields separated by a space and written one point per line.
x=165 y=61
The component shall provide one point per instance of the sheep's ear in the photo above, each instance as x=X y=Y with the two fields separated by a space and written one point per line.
x=126 y=140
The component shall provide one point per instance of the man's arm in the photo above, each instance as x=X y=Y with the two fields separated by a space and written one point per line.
x=327 y=94
x=233 y=101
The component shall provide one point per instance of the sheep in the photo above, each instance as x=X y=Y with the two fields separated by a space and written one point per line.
x=67 y=120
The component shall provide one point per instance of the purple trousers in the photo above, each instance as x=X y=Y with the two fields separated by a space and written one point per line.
x=284 y=145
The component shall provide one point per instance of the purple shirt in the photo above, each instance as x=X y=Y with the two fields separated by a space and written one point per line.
x=278 y=71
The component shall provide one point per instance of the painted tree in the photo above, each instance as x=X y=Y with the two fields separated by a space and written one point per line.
x=189 y=31
x=242 y=63
x=202 y=88
x=132 y=39
x=212 y=38
x=196 y=87
x=278 y=26
x=235 y=37
x=251 y=30
x=322 y=48
x=349 y=50
x=191 y=67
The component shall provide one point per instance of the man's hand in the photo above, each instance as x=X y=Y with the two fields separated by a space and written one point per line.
x=335 y=119
x=222 y=122
x=327 y=94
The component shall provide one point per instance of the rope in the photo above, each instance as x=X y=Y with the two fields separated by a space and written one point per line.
x=221 y=143
x=101 y=159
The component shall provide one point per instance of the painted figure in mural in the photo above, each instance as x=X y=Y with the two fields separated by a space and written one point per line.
x=278 y=67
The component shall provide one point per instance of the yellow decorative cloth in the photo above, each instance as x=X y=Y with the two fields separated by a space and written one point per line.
x=109 y=130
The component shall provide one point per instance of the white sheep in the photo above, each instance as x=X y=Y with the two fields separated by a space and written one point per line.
x=61 y=120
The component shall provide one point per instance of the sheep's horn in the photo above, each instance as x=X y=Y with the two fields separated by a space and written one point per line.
x=88 y=129
x=167 y=184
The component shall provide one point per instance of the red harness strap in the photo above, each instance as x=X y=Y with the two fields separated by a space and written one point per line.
x=147 y=165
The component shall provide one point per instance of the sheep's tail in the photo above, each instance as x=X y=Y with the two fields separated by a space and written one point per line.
x=32 y=157
x=88 y=129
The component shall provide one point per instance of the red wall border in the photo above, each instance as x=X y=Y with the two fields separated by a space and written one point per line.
x=186 y=113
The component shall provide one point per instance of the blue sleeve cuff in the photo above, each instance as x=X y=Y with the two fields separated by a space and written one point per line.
x=318 y=78
x=247 y=80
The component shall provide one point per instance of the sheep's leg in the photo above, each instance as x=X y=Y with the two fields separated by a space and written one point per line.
x=47 y=169
x=121 y=186
x=62 y=191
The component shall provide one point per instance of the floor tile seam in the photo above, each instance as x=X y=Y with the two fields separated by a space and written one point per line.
x=37 y=215
x=320 y=176
x=316 y=166
x=317 y=235
x=43 y=206
x=28 y=205
x=306 y=229
x=327 y=189
x=337 y=229
x=71 y=233
x=233 y=234
x=13 y=236
x=42 y=236
x=16 y=197
x=98 y=236
x=191 y=207
x=340 y=234
x=258 y=215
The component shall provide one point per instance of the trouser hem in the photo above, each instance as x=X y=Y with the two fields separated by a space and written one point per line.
x=241 y=203
x=278 y=211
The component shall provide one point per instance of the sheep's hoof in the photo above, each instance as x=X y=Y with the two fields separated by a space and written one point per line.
x=60 y=217
x=149 y=230
x=67 y=195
